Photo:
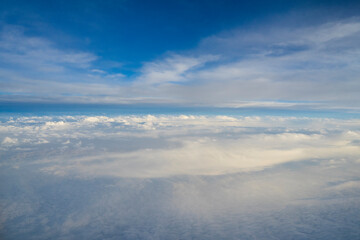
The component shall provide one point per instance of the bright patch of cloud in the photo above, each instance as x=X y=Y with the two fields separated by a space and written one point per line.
x=9 y=141
x=172 y=69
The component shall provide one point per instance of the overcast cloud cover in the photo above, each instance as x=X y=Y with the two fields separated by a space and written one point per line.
x=179 y=120
x=166 y=177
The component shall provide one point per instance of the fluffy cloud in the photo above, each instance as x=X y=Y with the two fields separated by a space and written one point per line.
x=179 y=145
x=9 y=141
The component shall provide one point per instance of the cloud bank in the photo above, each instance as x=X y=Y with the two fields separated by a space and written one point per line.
x=179 y=145
x=179 y=176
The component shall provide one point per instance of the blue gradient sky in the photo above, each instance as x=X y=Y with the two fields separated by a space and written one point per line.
x=212 y=53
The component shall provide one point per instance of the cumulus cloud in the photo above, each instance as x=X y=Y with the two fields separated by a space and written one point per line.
x=9 y=141
x=187 y=145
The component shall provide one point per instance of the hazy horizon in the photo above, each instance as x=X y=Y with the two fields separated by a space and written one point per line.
x=153 y=120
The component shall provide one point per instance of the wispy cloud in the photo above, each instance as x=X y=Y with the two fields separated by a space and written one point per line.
x=34 y=67
x=315 y=63
x=271 y=63
x=38 y=54
x=172 y=69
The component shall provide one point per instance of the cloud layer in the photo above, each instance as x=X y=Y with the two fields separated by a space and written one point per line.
x=165 y=146
x=185 y=176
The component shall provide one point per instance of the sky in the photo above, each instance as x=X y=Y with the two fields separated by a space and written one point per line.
x=179 y=120
x=191 y=53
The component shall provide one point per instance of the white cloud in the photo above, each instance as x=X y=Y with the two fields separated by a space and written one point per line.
x=316 y=63
x=191 y=174
x=172 y=69
x=9 y=141
x=168 y=145
x=245 y=67
x=333 y=30
x=346 y=186
x=214 y=156
x=37 y=52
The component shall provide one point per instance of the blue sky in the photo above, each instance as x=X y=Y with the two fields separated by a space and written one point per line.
x=179 y=120
x=213 y=53
x=137 y=31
